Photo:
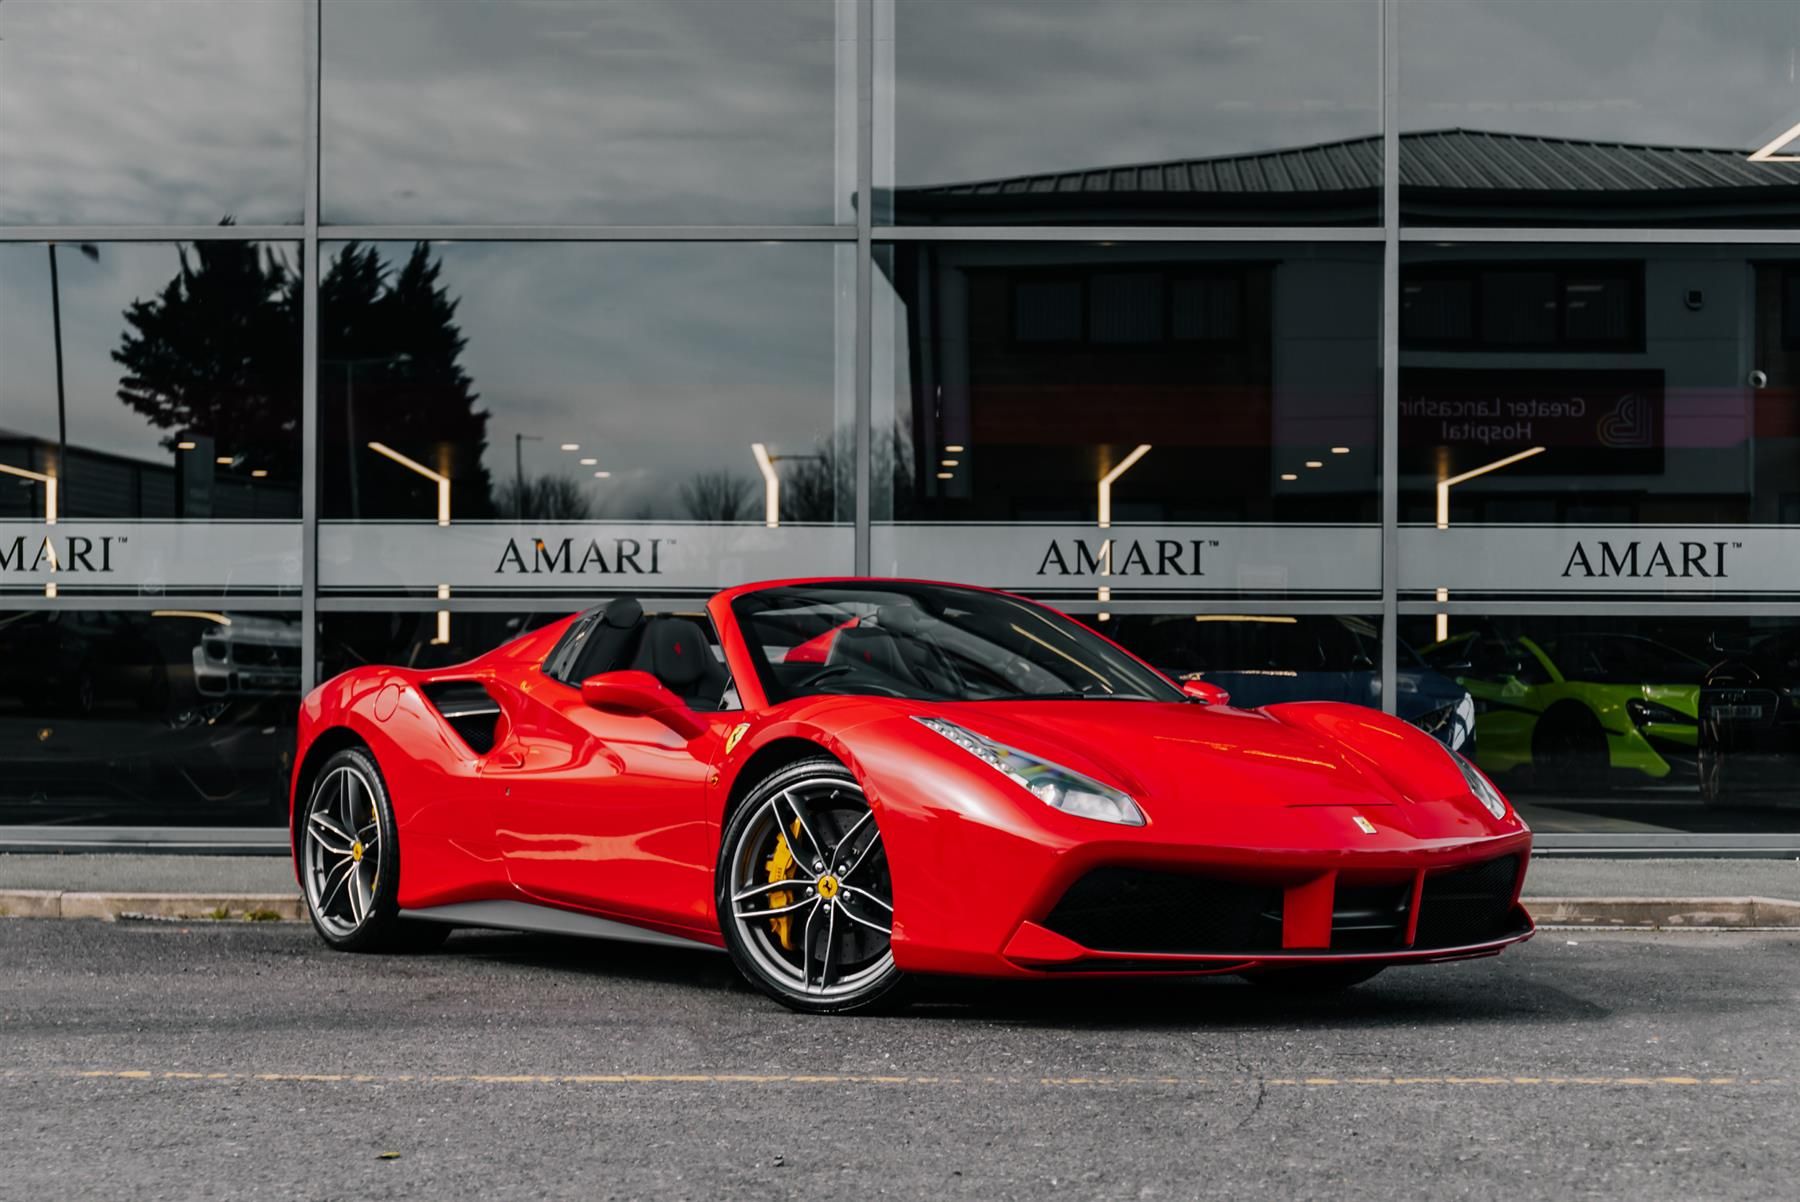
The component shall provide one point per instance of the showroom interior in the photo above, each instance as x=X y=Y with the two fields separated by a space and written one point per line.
x=1441 y=356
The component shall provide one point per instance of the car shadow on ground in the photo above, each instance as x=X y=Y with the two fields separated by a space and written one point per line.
x=1451 y=994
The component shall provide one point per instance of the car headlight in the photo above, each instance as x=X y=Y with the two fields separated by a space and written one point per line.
x=1052 y=784
x=1478 y=784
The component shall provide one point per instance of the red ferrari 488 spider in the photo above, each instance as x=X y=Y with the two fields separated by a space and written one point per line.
x=846 y=784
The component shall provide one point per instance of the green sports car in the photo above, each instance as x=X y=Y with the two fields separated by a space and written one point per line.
x=1577 y=710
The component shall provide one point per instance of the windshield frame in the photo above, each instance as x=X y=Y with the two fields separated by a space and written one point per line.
x=746 y=607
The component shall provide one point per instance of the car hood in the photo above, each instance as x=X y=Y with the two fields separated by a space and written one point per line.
x=1189 y=754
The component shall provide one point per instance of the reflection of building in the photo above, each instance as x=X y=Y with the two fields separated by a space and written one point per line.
x=114 y=486
x=1448 y=177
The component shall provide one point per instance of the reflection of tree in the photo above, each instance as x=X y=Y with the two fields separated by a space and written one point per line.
x=389 y=351
x=717 y=496
x=544 y=498
x=821 y=487
x=217 y=352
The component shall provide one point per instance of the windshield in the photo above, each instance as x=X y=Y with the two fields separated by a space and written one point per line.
x=931 y=643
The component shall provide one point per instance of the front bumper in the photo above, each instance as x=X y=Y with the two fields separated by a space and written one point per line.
x=1128 y=921
x=1132 y=908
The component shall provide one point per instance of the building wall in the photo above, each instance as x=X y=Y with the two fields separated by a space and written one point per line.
x=316 y=311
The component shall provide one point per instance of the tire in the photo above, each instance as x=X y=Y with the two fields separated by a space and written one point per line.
x=820 y=947
x=1314 y=978
x=1568 y=752
x=349 y=858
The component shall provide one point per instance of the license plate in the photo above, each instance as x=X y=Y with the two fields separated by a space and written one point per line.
x=1735 y=713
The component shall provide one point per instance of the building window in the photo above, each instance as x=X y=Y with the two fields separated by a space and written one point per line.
x=1524 y=307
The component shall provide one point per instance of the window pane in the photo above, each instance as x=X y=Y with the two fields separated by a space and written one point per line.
x=1211 y=409
x=154 y=389
x=622 y=112
x=539 y=415
x=152 y=112
x=129 y=719
x=1590 y=112
x=1639 y=440
x=1116 y=112
x=1603 y=723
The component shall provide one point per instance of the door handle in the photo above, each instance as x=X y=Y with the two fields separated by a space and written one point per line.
x=506 y=757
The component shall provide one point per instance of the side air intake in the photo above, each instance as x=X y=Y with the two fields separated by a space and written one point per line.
x=470 y=710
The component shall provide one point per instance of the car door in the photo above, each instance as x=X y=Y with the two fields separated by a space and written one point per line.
x=606 y=811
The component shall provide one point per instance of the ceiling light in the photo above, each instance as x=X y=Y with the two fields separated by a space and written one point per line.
x=948 y=462
x=602 y=475
x=571 y=446
x=589 y=462
x=1340 y=450
x=185 y=446
x=1314 y=463
x=223 y=461
x=953 y=448
x=946 y=475
x=1289 y=476
x=260 y=472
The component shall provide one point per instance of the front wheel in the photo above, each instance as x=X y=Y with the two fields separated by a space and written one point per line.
x=350 y=860
x=805 y=898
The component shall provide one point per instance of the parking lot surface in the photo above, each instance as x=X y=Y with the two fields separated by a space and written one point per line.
x=161 y=1060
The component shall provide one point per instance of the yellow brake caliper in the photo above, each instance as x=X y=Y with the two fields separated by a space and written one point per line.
x=781 y=868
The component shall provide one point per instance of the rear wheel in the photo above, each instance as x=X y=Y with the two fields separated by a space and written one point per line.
x=350 y=860
x=805 y=899
x=1313 y=978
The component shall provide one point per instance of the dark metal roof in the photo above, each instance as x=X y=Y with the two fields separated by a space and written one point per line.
x=1443 y=158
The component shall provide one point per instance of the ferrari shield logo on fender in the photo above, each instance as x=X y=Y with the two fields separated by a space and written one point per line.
x=737 y=733
x=1363 y=824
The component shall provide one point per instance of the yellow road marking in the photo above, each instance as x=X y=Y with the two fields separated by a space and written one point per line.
x=765 y=1079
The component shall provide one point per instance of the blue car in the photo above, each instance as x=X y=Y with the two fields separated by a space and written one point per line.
x=1261 y=659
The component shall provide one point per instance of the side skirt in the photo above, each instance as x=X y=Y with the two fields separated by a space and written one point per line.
x=525 y=916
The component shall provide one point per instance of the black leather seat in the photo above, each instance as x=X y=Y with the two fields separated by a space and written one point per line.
x=870 y=649
x=676 y=652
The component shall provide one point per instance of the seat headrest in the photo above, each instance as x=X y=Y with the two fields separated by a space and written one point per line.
x=622 y=612
x=678 y=652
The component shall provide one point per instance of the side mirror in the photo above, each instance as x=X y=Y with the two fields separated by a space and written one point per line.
x=1205 y=692
x=641 y=694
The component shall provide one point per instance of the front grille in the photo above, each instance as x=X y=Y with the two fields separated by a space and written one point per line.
x=1369 y=917
x=1468 y=905
x=1138 y=910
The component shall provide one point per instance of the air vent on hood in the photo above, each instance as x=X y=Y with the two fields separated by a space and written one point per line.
x=470 y=710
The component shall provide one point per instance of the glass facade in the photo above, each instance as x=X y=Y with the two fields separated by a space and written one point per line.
x=1436 y=356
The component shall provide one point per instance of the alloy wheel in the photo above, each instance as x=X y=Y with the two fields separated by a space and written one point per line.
x=810 y=895
x=343 y=850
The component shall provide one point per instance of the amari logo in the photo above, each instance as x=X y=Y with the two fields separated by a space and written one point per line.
x=567 y=557
x=74 y=553
x=1111 y=557
x=1634 y=561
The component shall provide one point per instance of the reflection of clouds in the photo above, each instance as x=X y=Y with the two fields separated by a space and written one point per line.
x=1010 y=87
x=151 y=111
x=94 y=297
x=659 y=359
x=1673 y=72
x=651 y=113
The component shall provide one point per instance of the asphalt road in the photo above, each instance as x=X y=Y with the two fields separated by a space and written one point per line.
x=150 y=1060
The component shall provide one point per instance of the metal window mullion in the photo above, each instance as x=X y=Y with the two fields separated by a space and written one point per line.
x=309 y=366
x=1130 y=233
x=1605 y=235
x=590 y=233
x=865 y=277
x=1390 y=359
x=150 y=233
